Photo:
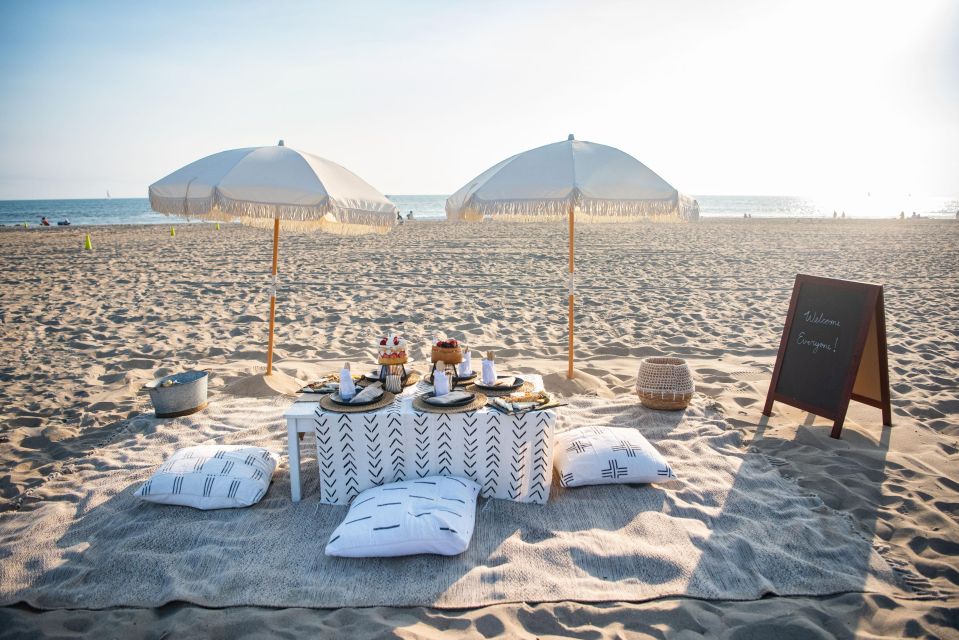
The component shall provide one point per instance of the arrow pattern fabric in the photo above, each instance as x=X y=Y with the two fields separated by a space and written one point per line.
x=509 y=457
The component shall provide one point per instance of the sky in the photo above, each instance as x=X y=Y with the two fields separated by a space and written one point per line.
x=740 y=97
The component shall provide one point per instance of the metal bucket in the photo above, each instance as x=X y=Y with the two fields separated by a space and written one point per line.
x=185 y=394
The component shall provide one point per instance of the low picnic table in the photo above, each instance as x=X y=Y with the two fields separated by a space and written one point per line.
x=510 y=457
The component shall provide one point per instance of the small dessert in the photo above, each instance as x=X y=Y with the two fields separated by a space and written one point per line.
x=447 y=352
x=392 y=350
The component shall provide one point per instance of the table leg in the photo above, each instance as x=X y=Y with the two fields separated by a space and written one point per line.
x=293 y=444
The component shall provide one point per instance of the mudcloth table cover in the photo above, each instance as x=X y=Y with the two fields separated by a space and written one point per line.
x=510 y=457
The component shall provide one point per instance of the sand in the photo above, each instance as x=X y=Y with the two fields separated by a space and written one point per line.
x=83 y=330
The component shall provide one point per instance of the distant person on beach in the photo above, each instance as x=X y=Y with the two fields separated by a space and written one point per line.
x=409 y=216
x=902 y=215
x=399 y=217
x=914 y=216
x=64 y=223
x=44 y=222
x=834 y=216
x=843 y=215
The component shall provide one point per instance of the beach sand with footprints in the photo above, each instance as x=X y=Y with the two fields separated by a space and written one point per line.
x=83 y=330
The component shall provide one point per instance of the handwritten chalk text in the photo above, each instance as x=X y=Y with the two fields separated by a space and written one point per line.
x=818 y=317
x=817 y=345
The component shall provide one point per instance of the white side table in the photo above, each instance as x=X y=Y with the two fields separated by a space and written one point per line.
x=299 y=419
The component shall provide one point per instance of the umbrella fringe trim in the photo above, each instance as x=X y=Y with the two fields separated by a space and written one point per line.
x=338 y=220
x=191 y=207
x=681 y=209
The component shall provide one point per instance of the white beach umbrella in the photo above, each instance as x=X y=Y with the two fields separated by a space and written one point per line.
x=570 y=180
x=276 y=187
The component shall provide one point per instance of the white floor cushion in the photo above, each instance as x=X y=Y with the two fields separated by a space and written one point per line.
x=215 y=476
x=435 y=514
x=607 y=455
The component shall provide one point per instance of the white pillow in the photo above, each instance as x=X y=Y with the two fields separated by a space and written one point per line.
x=213 y=476
x=435 y=514
x=607 y=455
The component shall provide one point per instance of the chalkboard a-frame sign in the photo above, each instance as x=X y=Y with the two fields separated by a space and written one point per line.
x=833 y=350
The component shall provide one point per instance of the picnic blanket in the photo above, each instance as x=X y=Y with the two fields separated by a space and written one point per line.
x=729 y=527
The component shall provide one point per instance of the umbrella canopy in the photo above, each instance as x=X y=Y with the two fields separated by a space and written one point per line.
x=259 y=185
x=603 y=183
x=570 y=180
x=274 y=187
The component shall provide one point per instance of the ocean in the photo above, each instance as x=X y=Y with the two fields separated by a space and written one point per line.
x=431 y=207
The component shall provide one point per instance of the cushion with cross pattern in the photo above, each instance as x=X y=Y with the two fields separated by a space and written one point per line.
x=608 y=455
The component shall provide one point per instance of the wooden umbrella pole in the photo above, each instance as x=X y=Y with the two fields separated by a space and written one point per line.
x=569 y=373
x=276 y=246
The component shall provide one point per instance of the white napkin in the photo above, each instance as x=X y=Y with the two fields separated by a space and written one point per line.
x=466 y=366
x=489 y=373
x=347 y=388
x=450 y=398
x=441 y=384
x=371 y=393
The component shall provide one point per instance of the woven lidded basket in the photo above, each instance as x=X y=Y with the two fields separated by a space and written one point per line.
x=664 y=383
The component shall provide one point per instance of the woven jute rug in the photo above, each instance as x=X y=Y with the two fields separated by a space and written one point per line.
x=729 y=527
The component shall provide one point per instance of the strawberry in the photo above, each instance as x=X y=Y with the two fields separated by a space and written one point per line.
x=383 y=342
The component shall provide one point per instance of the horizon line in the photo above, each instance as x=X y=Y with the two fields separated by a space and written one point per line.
x=441 y=195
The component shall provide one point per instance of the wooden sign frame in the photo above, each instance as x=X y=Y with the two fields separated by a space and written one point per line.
x=867 y=379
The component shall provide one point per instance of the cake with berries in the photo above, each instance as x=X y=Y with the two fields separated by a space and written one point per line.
x=447 y=352
x=392 y=350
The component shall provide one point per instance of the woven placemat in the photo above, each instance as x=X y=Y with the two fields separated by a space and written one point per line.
x=478 y=403
x=327 y=404
x=412 y=378
x=523 y=388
